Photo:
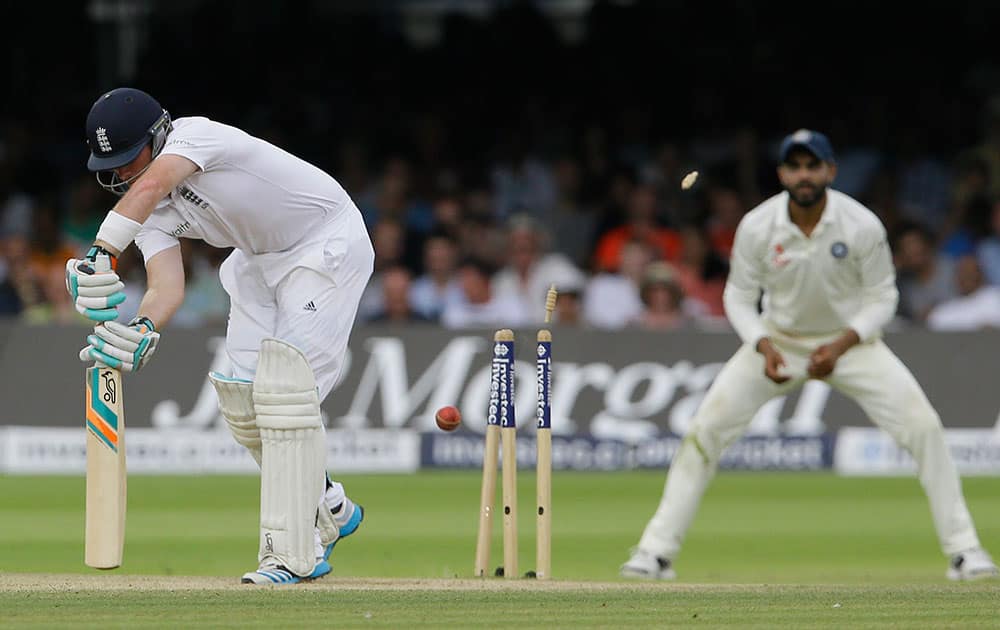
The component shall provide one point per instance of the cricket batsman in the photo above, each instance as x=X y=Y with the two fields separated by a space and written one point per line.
x=823 y=263
x=301 y=260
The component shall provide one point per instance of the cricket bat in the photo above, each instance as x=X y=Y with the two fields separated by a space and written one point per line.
x=105 y=422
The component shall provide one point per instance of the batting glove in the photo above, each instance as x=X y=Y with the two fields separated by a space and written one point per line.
x=96 y=295
x=125 y=348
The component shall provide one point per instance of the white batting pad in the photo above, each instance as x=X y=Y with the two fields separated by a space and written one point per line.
x=293 y=448
x=236 y=404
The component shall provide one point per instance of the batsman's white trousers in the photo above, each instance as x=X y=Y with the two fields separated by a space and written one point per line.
x=307 y=296
x=868 y=373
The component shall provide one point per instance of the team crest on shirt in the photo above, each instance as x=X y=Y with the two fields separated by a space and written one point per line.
x=189 y=195
x=839 y=249
x=780 y=259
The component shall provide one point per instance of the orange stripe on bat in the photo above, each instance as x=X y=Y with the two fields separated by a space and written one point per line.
x=98 y=422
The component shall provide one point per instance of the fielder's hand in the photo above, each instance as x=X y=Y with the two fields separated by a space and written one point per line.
x=125 y=348
x=773 y=361
x=822 y=361
x=95 y=295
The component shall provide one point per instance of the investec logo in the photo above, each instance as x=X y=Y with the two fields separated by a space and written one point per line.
x=543 y=382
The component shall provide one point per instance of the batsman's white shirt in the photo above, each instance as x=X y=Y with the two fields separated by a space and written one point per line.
x=247 y=193
x=839 y=277
x=302 y=253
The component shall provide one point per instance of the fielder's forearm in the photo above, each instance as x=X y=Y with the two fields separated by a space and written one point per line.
x=877 y=311
x=847 y=340
x=741 y=309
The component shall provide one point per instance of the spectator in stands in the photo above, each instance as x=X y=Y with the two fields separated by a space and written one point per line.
x=530 y=270
x=569 y=306
x=701 y=273
x=206 y=303
x=571 y=222
x=665 y=172
x=988 y=249
x=392 y=198
x=725 y=209
x=396 y=308
x=481 y=308
x=439 y=285
x=448 y=215
x=84 y=212
x=641 y=225
x=16 y=214
x=925 y=278
x=966 y=226
x=10 y=299
x=971 y=180
x=662 y=298
x=389 y=240
x=522 y=183
x=977 y=305
x=479 y=235
x=612 y=300
x=924 y=182
x=48 y=265
x=987 y=152
x=27 y=287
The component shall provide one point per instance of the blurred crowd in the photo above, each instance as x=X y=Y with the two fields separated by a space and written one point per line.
x=497 y=153
x=607 y=224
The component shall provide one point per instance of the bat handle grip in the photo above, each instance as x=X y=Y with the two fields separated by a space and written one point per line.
x=102 y=264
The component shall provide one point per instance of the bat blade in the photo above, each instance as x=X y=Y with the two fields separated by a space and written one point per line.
x=106 y=472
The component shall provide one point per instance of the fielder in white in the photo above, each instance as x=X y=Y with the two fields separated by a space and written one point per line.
x=823 y=263
x=301 y=260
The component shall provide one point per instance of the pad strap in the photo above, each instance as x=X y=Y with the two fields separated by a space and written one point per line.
x=327 y=525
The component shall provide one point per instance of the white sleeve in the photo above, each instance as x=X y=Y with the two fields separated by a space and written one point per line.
x=743 y=287
x=151 y=241
x=199 y=141
x=879 y=295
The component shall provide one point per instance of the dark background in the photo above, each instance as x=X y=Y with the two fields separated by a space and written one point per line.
x=318 y=74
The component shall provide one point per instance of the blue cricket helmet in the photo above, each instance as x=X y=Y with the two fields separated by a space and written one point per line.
x=120 y=124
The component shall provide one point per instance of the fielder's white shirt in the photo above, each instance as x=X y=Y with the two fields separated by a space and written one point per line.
x=839 y=277
x=248 y=193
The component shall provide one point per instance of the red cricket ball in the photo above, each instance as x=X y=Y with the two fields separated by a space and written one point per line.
x=448 y=418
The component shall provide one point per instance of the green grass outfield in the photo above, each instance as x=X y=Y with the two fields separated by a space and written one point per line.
x=799 y=550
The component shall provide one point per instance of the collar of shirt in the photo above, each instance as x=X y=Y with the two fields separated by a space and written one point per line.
x=784 y=223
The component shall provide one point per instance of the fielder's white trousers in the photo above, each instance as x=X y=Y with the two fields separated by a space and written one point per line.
x=307 y=296
x=868 y=373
